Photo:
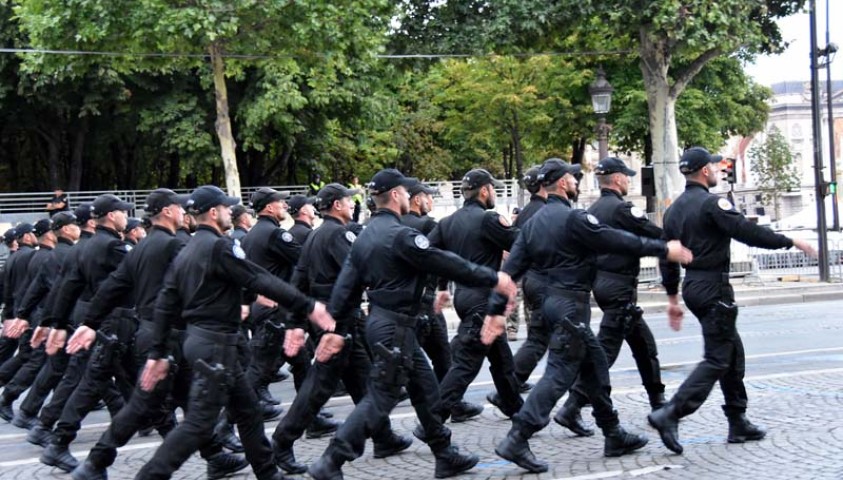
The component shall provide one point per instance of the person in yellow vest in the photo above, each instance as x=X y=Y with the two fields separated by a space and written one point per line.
x=315 y=185
x=357 y=198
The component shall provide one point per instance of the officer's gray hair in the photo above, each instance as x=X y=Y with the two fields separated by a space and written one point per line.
x=605 y=180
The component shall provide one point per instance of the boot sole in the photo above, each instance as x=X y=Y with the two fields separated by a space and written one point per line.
x=530 y=469
x=227 y=473
x=745 y=439
x=677 y=451
x=575 y=430
x=61 y=466
x=391 y=452
x=473 y=463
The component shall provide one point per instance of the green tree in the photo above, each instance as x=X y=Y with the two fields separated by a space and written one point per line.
x=772 y=163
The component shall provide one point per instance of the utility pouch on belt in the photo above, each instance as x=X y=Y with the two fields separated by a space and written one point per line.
x=212 y=381
x=273 y=333
x=107 y=348
x=726 y=316
x=631 y=314
x=392 y=366
x=576 y=333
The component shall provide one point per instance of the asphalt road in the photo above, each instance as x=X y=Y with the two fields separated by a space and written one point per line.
x=794 y=354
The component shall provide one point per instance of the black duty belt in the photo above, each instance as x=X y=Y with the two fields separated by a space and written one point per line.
x=401 y=319
x=621 y=277
x=229 y=339
x=708 y=275
x=582 y=297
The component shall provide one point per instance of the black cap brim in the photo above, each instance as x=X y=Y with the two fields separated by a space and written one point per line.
x=124 y=206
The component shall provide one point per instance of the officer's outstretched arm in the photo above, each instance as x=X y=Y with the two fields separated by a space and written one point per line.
x=734 y=224
x=415 y=249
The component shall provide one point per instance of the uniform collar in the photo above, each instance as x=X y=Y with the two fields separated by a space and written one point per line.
x=552 y=198
x=331 y=218
x=164 y=229
x=65 y=240
x=695 y=184
x=304 y=224
x=473 y=202
x=208 y=228
x=269 y=219
x=103 y=229
x=415 y=214
x=44 y=247
x=387 y=212
x=85 y=234
x=608 y=192
x=537 y=198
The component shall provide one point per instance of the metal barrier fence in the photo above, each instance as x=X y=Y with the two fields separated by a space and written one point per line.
x=795 y=263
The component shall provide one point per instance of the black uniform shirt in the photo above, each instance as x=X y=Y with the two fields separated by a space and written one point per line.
x=272 y=247
x=706 y=224
x=422 y=223
x=392 y=260
x=562 y=243
x=536 y=202
x=204 y=288
x=322 y=258
x=300 y=231
x=36 y=294
x=16 y=268
x=238 y=233
x=475 y=234
x=139 y=276
x=98 y=257
x=612 y=210
x=66 y=264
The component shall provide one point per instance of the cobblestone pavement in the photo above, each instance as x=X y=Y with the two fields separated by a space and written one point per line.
x=794 y=380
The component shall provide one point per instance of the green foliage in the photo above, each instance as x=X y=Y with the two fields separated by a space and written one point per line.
x=772 y=163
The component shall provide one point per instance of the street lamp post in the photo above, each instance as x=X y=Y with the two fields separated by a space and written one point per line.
x=601 y=100
x=828 y=54
x=819 y=180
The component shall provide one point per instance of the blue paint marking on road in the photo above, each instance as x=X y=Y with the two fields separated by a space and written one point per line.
x=499 y=463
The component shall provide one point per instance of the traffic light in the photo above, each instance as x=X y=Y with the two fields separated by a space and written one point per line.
x=648 y=181
x=829 y=188
x=728 y=167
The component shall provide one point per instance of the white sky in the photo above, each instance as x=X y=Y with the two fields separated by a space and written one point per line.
x=794 y=63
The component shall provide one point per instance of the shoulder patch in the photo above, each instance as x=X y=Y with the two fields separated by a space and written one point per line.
x=724 y=204
x=637 y=212
x=421 y=242
x=237 y=250
x=350 y=236
x=592 y=219
x=287 y=237
x=127 y=247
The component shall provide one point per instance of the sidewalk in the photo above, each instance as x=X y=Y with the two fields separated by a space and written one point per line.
x=749 y=291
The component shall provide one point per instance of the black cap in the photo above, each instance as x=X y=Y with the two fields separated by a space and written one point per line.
x=22 y=229
x=61 y=219
x=42 y=226
x=264 y=196
x=531 y=179
x=331 y=193
x=238 y=210
x=387 y=179
x=696 y=158
x=161 y=198
x=479 y=177
x=296 y=202
x=132 y=224
x=83 y=213
x=109 y=203
x=610 y=165
x=555 y=168
x=207 y=197
x=10 y=236
x=420 y=187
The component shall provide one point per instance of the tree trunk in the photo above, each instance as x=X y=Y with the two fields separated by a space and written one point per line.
x=76 y=157
x=174 y=172
x=516 y=143
x=223 y=123
x=577 y=150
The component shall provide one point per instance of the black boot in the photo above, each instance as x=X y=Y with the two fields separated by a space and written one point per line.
x=6 y=411
x=516 y=449
x=40 y=435
x=525 y=387
x=279 y=376
x=321 y=427
x=569 y=416
x=666 y=421
x=657 y=400
x=266 y=397
x=450 y=462
x=464 y=411
x=224 y=433
x=59 y=456
x=285 y=459
x=24 y=420
x=495 y=399
x=620 y=442
x=325 y=469
x=419 y=433
x=396 y=444
x=742 y=430
x=270 y=412
x=87 y=471
x=223 y=464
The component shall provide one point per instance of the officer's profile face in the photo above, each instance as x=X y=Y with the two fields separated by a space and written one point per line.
x=712 y=174
x=223 y=217
x=402 y=198
x=71 y=232
x=120 y=218
x=426 y=203
x=622 y=181
x=491 y=195
x=570 y=182
x=344 y=208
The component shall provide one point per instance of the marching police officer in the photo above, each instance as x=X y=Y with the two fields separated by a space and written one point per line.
x=561 y=243
x=391 y=261
x=100 y=256
x=616 y=292
x=303 y=212
x=478 y=234
x=28 y=360
x=203 y=288
x=64 y=372
x=241 y=218
x=14 y=278
x=141 y=275
x=319 y=266
x=707 y=223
